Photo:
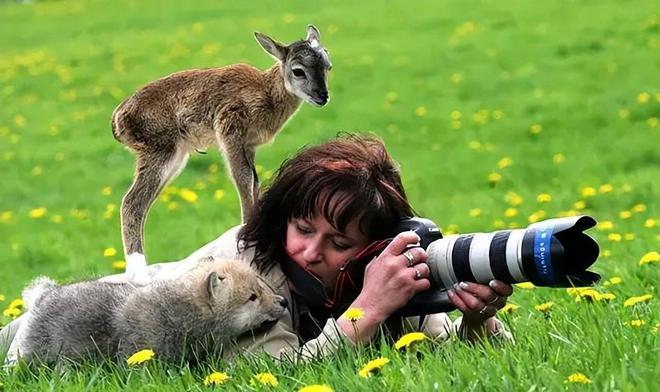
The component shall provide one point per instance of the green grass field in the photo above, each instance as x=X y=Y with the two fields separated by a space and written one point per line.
x=486 y=105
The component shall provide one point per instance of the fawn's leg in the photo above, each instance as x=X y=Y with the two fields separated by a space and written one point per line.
x=153 y=171
x=231 y=131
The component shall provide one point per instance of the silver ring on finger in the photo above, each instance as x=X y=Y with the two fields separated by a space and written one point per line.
x=497 y=298
x=484 y=310
x=409 y=256
x=418 y=275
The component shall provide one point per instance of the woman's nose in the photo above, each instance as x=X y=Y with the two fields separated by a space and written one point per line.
x=312 y=253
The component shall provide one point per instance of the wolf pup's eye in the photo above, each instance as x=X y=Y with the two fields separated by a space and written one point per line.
x=253 y=297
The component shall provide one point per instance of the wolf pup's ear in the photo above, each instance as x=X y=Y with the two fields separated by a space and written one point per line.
x=274 y=48
x=213 y=282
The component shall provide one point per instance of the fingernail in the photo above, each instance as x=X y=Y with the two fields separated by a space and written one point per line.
x=492 y=283
x=463 y=285
x=451 y=293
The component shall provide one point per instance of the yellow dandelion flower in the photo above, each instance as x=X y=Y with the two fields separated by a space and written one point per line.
x=219 y=194
x=119 y=265
x=12 y=312
x=525 y=285
x=2 y=297
x=639 y=207
x=511 y=212
x=140 y=357
x=643 y=97
x=37 y=213
x=614 y=280
x=544 y=198
x=110 y=252
x=574 y=291
x=606 y=297
x=653 y=122
x=632 y=301
x=650 y=223
x=475 y=212
x=509 y=308
x=637 y=323
x=216 y=378
x=494 y=178
x=578 y=378
x=6 y=216
x=580 y=205
x=373 y=367
x=474 y=145
x=615 y=237
x=535 y=129
x=513 y=199
x=266 y=379
x=605 y=188
x=604 y=225
x=18 y=303
x=354 y=314
x=456 y=78
x=504 y=162
x=537 y=216
x=588 y=191
x=625 y=214
x=316 y=388
x=406 y=340
x=188 y=195
x=544 y=307
x=606 y=253
x=588 y=294
x=650 y=257
x=421 y=111
x=558 y=158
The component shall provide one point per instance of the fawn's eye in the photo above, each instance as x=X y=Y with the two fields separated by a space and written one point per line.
x=253 y=297
x=299 y=73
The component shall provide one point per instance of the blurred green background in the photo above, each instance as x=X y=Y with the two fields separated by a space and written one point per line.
x=500 y=113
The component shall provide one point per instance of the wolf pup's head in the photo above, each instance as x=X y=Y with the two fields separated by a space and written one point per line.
x=238 y=295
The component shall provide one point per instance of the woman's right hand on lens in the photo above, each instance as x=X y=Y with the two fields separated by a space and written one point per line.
x=392 y=278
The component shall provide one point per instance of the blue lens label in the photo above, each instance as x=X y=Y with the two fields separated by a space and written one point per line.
x=542 y=239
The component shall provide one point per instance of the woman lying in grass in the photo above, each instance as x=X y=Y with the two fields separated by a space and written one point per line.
x=324 y=206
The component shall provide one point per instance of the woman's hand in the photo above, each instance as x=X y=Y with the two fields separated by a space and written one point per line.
x=392 y=278
x=479 y=303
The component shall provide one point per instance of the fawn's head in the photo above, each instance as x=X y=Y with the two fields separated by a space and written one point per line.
x=305 y=64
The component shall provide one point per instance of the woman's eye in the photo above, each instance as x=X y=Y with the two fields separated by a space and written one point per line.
x=303 y=230
x=253 y=297
x=340 y=246
x=299 y=73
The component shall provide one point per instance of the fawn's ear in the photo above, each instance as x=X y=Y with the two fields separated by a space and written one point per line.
x=214 y=283
x=313 y=36
x=272 y=47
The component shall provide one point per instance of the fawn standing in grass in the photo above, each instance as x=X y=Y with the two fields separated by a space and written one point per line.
x=237 y=107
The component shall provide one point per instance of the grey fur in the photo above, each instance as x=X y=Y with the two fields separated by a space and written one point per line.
x=190 y=317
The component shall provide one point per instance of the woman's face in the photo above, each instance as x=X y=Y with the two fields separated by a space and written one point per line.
x=316 y=246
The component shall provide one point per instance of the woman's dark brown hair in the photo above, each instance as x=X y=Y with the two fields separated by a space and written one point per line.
x=349 y=176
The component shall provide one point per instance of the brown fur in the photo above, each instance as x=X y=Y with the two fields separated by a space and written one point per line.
x=236 y=107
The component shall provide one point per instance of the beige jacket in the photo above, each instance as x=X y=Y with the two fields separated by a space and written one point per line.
x=282 y=341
